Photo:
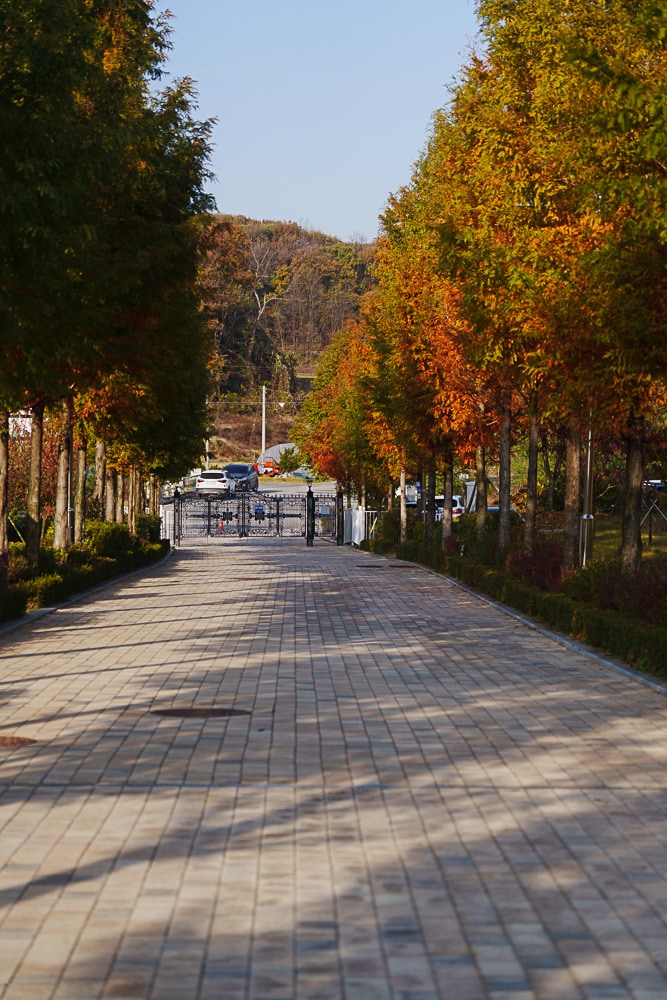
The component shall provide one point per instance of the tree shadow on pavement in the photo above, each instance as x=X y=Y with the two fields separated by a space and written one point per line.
x=428 y=799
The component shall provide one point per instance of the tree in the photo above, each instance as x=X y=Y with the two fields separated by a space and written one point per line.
x=104 y=178
x=588 y=83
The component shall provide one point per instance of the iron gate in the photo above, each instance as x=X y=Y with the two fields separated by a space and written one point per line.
x=245 y=515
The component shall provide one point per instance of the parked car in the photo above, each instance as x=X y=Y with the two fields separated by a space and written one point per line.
x=243 y=474
x=214 y=481
x=458 y=507
x=412 y=493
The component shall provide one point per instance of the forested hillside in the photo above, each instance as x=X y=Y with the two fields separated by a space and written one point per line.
x=274 y=294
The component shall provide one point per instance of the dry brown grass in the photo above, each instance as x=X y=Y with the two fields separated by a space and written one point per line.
x=238 y=436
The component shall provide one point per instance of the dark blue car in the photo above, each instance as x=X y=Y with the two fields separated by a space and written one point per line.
x=244 y=475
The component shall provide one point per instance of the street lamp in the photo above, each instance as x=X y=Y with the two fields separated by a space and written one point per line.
x=587 y=532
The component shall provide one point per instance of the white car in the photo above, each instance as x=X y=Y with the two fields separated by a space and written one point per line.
x=214 y=481
x=458 y=507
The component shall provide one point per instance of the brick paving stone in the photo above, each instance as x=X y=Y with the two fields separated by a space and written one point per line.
x=429 y=800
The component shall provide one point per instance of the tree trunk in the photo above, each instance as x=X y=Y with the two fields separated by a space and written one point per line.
x=4 y=499
x=504 y=475
x=631 y=530
x=80 y=494
x=550 y=474
x=480 y=480
x=61 y=534
x=33 y=531
x=120 y=498
x=572 y=491
x=531 y=495
x=404 y=508
x=135 y=499
x=430 y=506
x=154 y=493
x=448 y=493
x=109 y=495
x=100 y=476
x=132 y=500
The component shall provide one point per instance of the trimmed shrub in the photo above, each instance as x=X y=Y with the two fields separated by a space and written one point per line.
x=149 y=527
x=44 y=590
x=108 y=538
x=543 y=568
x=13 y=603
x=388 y=530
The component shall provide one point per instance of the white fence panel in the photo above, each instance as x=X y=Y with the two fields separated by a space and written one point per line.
x=355 y=525
x=167 y=523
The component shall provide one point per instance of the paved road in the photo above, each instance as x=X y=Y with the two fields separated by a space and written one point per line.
x=428 y=800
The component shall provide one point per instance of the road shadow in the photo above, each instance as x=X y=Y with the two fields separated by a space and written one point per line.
x=427 y=800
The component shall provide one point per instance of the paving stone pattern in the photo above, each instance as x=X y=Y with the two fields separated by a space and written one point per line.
x=429 y=800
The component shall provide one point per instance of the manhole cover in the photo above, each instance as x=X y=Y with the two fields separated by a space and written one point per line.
x=199 y=713
x=15 y=741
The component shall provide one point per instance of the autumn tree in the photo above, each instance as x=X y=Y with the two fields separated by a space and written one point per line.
x=333 y=429
x=586 y=82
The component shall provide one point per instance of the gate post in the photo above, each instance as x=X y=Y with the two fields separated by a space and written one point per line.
x=243 y=533
x=208 y=519
x=177 y=516
x=340 y=515
x=310 y=514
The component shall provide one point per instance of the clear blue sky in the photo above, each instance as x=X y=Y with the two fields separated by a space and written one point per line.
x=323 y=107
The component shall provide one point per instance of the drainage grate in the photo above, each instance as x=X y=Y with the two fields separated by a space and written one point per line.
x=199 y=713
x=15 y=741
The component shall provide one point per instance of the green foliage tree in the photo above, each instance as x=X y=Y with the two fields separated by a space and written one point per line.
x=100 y=181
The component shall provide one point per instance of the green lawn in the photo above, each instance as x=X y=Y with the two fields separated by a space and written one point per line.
x=608 y=536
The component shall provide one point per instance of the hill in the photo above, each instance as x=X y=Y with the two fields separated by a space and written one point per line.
x=274 y=294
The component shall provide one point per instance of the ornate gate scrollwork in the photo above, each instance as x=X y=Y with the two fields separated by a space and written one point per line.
x=249 y=515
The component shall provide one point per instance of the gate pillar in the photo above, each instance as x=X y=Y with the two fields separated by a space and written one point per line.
x=310 y=514
x=340 y=515
x=177 y=516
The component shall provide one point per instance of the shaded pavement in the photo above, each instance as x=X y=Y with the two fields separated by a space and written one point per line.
x=427 y=800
